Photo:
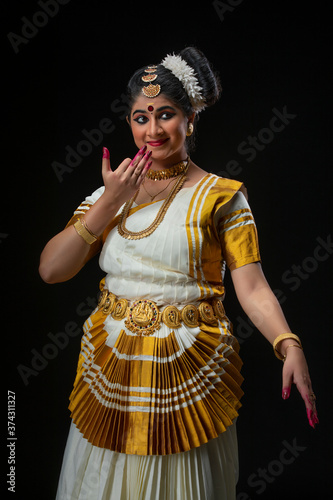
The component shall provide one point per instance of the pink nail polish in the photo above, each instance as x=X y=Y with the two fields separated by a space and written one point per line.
x=285 y=392
x=106 y=153
x=148 y=155
x=139 y=153
x=310 y=418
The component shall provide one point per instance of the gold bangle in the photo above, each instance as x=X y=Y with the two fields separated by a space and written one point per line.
x=291 y=345
x=83 y=231
x=279 y=339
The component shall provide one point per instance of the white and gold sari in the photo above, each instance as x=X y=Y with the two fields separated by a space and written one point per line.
x=157 y=389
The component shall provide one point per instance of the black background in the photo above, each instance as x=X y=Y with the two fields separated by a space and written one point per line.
x=67 y=78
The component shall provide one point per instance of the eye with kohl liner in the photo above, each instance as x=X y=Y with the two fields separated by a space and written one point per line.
x=142 y=119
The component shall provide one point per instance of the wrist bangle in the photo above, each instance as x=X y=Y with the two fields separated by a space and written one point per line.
x=279 y=339
x=291 y=345
x=83 y=231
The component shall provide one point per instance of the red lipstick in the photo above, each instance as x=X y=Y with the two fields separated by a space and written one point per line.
x=157 y=143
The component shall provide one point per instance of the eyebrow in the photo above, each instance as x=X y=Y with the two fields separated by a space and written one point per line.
x=159 y=109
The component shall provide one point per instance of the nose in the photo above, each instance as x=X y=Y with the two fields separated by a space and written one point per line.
x=154 y=128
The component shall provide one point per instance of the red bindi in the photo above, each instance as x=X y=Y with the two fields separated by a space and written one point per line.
x=150 y=108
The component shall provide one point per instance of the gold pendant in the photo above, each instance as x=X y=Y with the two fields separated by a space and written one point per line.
x=143 y=317
x=151 y=90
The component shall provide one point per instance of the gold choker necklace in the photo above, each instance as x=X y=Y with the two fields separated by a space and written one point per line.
x=174 y=171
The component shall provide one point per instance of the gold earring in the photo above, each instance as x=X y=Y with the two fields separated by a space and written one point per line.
x=189 y=129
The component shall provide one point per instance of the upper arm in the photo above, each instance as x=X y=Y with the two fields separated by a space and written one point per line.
x=237 y=232
x=248 y=278
x=79 y=212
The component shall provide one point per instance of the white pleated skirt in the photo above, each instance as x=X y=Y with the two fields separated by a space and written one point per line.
x=209 y=472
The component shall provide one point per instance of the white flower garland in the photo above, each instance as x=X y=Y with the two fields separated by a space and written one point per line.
x=186 y=76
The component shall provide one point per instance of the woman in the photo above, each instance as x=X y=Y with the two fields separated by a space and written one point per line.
x=157 y=389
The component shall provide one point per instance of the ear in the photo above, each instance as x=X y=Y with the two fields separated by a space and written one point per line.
x=128 y=120
x=190 y=118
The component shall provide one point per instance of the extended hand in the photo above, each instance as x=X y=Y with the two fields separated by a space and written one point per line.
x=124 y=182
x=295 y=370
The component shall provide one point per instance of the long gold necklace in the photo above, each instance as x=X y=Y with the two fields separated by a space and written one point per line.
x=131 y=235
x=174 y=171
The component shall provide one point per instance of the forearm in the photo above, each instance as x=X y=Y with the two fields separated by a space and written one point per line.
x=262 y=307
x=66 y=253
x=101 y=213
x=265 y=312
x=260 y=304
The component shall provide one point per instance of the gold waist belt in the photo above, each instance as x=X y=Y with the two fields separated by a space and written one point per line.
x=143 y=317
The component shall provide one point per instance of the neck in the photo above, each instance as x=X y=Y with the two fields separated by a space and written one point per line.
x=170 y=161
x=168 y=173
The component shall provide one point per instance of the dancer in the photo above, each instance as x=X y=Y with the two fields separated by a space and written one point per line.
x=158 y=384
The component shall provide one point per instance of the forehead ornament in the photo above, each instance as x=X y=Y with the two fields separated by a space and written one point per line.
x=150 y=90
x=151 y=69
x=149 y=78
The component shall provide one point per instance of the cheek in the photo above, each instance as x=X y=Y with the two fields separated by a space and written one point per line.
x=137 y=132
x=179 y=131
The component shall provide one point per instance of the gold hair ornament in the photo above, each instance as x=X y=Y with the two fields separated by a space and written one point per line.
x=151 y=90
x=151 y=69
x=148 y=78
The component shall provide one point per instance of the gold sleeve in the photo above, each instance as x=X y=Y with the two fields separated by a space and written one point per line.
x=238 y=234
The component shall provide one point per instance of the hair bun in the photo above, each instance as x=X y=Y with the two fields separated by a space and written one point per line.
x=208 y=80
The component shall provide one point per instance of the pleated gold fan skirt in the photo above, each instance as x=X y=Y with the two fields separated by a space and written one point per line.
x=160 y=394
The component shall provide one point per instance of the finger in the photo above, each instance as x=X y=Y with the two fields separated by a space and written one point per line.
x=286 y=383
x=305 y=389
x=138 y=156
x=144 y=172
x=311 y=411
x=310 y=405
x=106 y=161
x=141 y=165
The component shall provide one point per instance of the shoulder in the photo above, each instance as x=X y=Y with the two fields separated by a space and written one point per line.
x=89 y=201
x=220 y=190
x=92 y=198
x=227 y=186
